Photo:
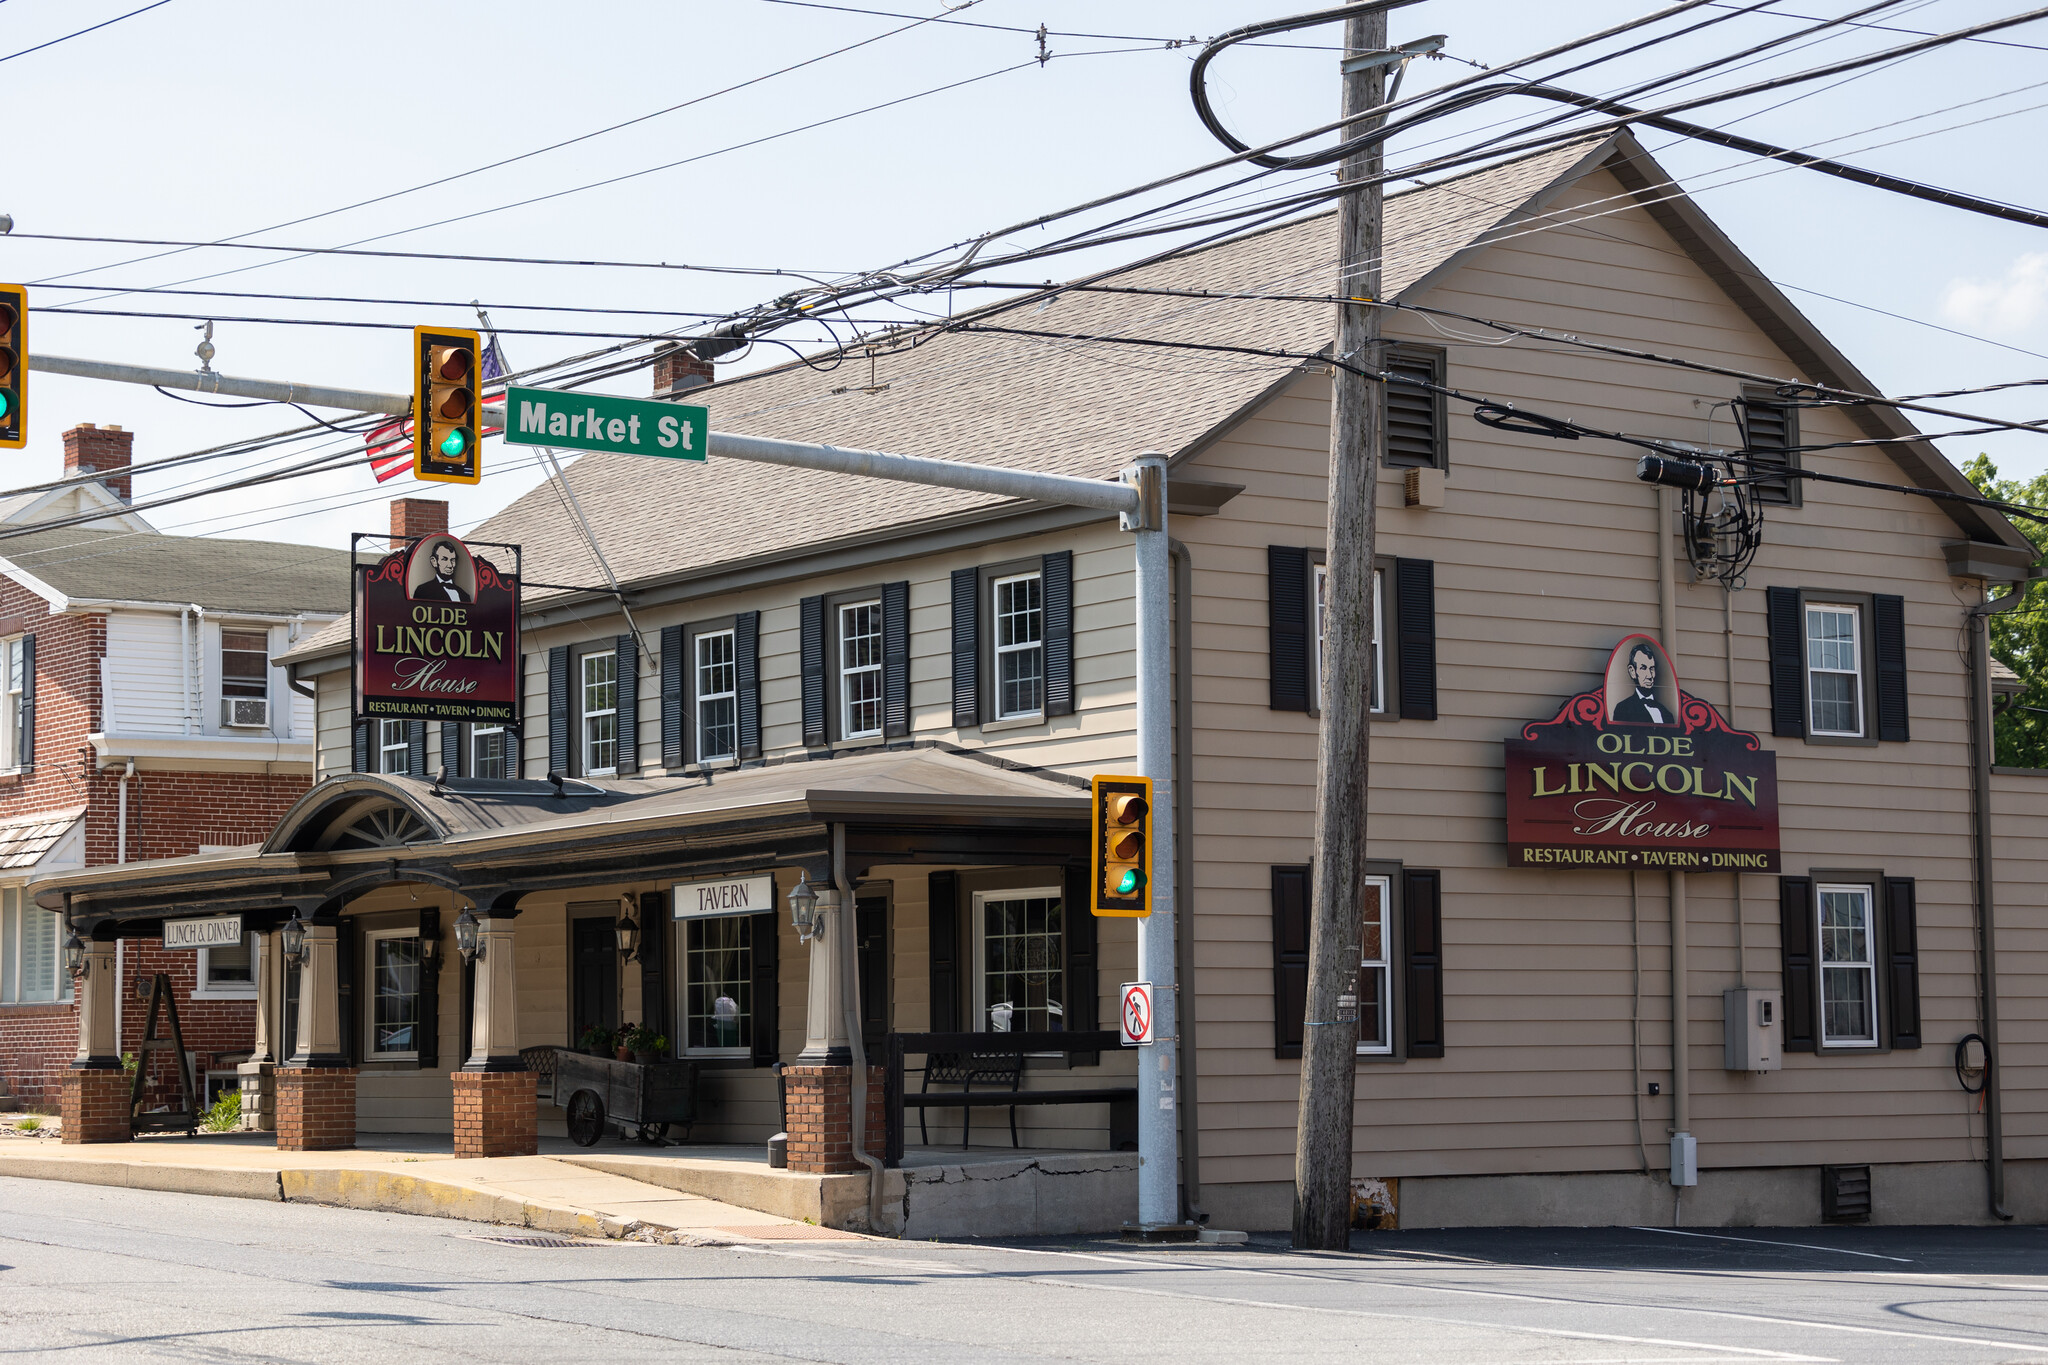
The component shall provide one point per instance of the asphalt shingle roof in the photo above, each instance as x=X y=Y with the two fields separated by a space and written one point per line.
x=215 y=573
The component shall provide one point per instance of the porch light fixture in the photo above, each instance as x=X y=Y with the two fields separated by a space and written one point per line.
x=803 y=907
x=629 y=937
x=293 y=938
x=467 y=941
x=74 y=953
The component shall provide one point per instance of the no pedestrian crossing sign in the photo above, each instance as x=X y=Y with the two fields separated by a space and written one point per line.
x=1134 y=1013
x=595 y=421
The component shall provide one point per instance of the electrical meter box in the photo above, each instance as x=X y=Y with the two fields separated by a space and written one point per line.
x=1753 y=1029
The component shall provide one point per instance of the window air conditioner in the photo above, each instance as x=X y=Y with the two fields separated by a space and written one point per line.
x=245 y=713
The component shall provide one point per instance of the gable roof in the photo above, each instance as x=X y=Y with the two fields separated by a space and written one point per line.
x=87 y=566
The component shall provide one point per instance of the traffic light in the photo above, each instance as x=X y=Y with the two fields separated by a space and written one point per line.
x=13 y=366
x=447 y=405
x=1120 y=813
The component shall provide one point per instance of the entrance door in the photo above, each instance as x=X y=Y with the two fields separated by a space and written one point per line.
x=593 y=976
x=871 y=944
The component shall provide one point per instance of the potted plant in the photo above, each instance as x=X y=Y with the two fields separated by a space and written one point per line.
x=645 y=1044
x=624 y=1050
x=596 y=1040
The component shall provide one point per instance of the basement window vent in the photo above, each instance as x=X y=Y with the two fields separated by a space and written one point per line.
x=1845 y=1194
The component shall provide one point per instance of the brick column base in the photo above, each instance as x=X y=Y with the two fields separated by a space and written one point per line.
x=316 y=1108
x=496 y=1113
x=95 y=1106
x=821 y=1118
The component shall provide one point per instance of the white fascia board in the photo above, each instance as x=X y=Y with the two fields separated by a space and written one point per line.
x=195 y=749
x=57 y=600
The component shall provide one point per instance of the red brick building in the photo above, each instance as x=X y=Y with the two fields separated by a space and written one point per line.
x=140 y=717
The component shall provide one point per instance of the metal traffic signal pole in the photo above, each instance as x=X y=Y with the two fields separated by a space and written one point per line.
x=1138 y=496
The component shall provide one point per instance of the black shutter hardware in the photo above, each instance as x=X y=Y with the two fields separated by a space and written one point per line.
x=1415 y=617
x=1290 y=958
x=767 y=947
x=1795 y=947
x=813 y=614
x=1786 y=626
x=943 y=905
x=746 y=658
x=1888 y=640
x=1287 y=637
x=1079 y=940
x=1422 y=961
x=1056 y=576
x=966 y=650
x=674 y=751
x=1902 y=961
x=558 y=710
x=896 y=659
x=626 y=753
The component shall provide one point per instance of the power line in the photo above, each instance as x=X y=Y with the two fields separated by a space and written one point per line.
x=82 y=32
x=410 y=255
x=1892 y=28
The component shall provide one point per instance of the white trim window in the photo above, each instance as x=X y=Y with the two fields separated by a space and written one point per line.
x=10 y=707
x=601 y=713
x=860 y=670
x=490 y=751
x=394 y=747
x=227 y=973
x=1834 y=670
x=1848 y=967
x=393 y=1019
x=31 y=962
x=1020 y=986
x=717 y=986
x=1375 y=969
x=244 y=662
x=1319 y=586
x=718 y=717
x=1019 y=602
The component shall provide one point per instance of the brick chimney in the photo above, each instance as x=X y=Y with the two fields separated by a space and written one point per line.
x=677 y=369
x=101 y=450
x=418 y=517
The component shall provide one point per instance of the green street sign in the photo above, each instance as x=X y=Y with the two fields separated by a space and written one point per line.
x=594 y=421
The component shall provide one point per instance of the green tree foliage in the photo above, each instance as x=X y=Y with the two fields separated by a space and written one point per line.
x=2019 y=638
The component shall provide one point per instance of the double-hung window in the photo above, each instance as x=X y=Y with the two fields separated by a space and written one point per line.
x=31 y=966
x=489 y=751
x=1375 y=984
x=11 y=672
x=244 y=663
x=394 y=1014
x=1319 y=588
x=1848 y=966
x=600 y=681
x=394 y=747
x=718 y=986
x=717 y=677
x=1019 y=602
x=860 y=669
x=1021 y=985
x=228 y=973
x=1834 y=670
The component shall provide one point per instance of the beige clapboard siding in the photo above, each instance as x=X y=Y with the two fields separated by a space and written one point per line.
x=1544 y=557
x=2019 y=803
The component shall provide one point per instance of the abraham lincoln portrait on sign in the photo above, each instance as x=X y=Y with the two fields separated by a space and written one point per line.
x=1642 y=694
x=441 y=571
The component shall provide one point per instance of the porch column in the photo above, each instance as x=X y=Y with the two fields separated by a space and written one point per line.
x=819 y=1085
x=257 y=1075
x=496 y=1111
x=95 y=1103
x=316 y=1088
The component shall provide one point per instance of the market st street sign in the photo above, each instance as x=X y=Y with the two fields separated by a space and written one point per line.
x=1639 y=774
x=437 y=636
x=591 y=421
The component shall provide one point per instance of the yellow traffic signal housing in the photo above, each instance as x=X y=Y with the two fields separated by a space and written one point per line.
x=13 y=366
x=1120 y=823
x=447 y=405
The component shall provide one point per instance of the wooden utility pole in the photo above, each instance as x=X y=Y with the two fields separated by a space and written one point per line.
x=1329 y=1048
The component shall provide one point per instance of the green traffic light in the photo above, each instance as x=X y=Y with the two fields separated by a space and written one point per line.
x=1128 y=884
x=6 y=403
x=455 y=444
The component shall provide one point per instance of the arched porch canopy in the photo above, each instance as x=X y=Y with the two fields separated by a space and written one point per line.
x=496 y=841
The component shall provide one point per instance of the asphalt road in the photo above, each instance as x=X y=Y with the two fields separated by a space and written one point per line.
x=89 y=1274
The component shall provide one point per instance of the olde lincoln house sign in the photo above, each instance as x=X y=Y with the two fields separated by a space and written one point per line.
x=1637 y=773
x=437 y=636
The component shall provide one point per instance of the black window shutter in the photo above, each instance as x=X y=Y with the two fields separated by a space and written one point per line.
x=767 y=948
x=943 y=892
x=1287 y=605
x=966 y=648
x=1082 y=978
x=1787 y=630
x=1415 y=626
x=517 y=763
x=348 y=947
x=1415 y=416
x=362 y=743
x=1056 y=576
x=674 y=745
x=429 y=1026
x=451 y=748
x=1770 y=431
x=654 y=936
x=1795 y=940
x=1422 y=961
x=25 y=738
x=896 y=659
x=416 y=748
x=1290 y=958
x=813 y=612
x=746 y=658
x=627 y=751
x=1902 y=961
x=1888 y=637
x=558 y=710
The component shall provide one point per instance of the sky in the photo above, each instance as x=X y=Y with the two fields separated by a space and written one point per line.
x=203 y=120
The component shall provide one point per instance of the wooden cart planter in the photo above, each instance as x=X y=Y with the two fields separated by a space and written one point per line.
x=642 y=1099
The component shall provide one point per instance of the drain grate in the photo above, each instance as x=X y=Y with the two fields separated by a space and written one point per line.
x=550 y=1243
x=790 y=1232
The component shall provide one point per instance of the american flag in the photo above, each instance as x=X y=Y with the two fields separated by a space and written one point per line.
x=390 y=446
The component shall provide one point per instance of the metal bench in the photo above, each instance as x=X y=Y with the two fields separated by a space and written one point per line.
x=995 y=1063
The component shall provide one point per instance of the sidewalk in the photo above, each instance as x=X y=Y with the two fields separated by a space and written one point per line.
x=407 y=1174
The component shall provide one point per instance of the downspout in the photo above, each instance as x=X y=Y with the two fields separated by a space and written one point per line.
x=1184 y=876
x=1681 y=1070
x=121 y=817
x=185 y=662
x=849 y=972
x=195 y=677
x=1981 y=753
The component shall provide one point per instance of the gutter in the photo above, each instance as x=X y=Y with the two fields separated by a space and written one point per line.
x=1184 y=878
